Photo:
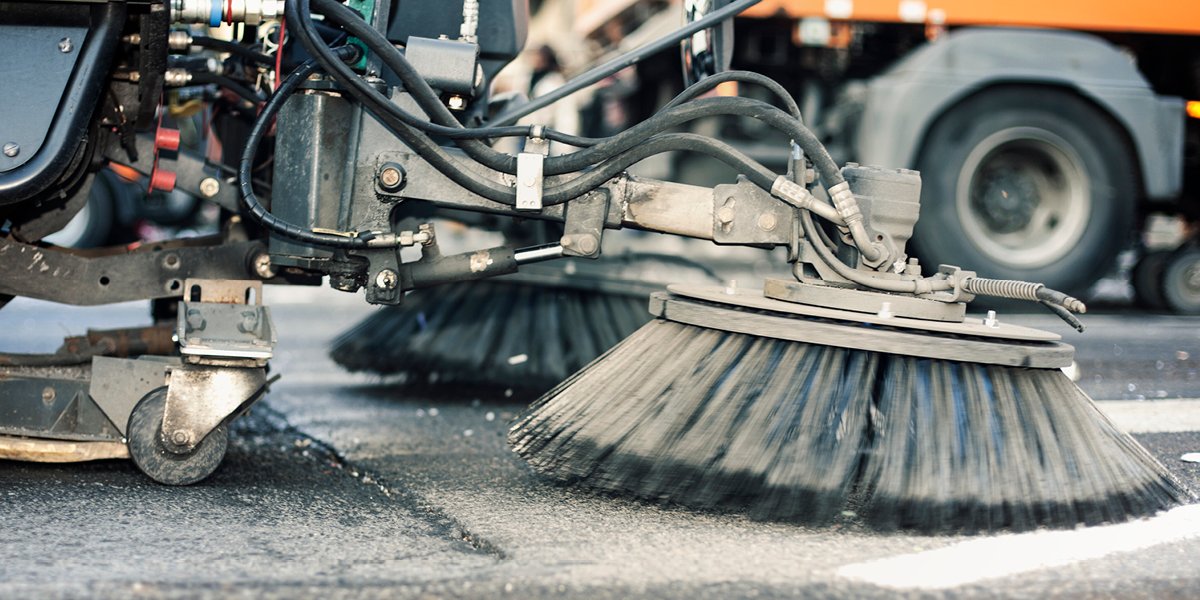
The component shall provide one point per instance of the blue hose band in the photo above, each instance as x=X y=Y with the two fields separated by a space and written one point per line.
x=214 y=15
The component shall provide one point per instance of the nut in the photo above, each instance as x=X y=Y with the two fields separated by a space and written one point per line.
x=65 y=45
x=180 y=437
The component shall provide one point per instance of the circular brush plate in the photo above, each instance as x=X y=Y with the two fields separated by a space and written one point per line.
x=747 y=311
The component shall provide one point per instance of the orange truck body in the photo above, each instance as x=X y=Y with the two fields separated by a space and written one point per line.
x=1181 y=17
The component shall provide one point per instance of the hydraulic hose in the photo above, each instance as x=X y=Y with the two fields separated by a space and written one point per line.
x=712 y=81
x=920 y=286
x=232 y=85
x=430 y=103
x=667 y=142
x=430 y=151
x=240 y=50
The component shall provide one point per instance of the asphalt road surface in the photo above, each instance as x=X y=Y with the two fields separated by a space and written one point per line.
x=343 y=485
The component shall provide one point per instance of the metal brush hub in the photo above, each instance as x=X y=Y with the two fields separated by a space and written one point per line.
x=860 y=301
x=749 y=312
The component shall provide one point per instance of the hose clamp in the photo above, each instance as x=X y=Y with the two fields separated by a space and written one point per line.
x=530 y=172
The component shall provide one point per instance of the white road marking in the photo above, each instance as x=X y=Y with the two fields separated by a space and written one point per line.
x=1153 y=416
x=1006 y=555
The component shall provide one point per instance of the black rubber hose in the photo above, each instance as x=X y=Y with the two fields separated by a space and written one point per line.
x=712 y=81
x=247 y=94
x=697 y=109
x=240 y=50
x=636 y=137
x=428 y=101
x=601 y=151
x=667 y=142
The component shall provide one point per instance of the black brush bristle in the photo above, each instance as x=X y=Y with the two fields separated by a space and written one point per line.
x=493 y=332
x=789 y=431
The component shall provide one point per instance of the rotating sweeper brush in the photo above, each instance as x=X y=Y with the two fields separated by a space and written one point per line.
x=848 y=388
x=528 y=330
x=798 y=412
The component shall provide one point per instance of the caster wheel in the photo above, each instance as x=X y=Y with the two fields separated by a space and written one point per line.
x=153 y=458
x=1147 y=280
x=1181 y=281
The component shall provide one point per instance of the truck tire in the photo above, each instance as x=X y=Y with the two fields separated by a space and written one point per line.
x=1181 y=281
x=1147 y=280
x=1026 y=183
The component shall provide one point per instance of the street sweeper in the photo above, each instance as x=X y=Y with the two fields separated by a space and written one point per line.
x=857 y=379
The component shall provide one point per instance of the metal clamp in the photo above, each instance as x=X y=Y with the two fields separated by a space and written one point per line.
x=530 y=175
x=223 y=321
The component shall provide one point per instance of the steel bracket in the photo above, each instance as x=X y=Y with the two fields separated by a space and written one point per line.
x=223 y=320
x=201 y=397
x=118 y=384
x=744 y=213
x=583 y=226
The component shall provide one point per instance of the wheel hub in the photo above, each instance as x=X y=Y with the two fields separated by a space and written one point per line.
x=1006 y=200
x=1023 y=197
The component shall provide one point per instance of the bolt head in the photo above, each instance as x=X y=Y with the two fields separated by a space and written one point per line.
x=767 y=222
x=180 y=437
x=386 y=279
x=391 y=178
x=726 y=214
x=11 y=149
x=588 y=244
x=65 y=45
x=209 y=187
x=456 y=102
x=48 y=395
x=262 y=266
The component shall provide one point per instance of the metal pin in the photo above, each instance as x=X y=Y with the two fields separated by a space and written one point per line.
x=731 y=287
x=885 y=311
x=991 y=321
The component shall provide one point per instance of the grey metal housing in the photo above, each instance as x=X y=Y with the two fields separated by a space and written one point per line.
x=903 y=103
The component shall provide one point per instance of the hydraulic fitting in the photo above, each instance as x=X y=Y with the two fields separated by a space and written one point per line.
x=215 y=12
x=176 y=77
x=179 y=41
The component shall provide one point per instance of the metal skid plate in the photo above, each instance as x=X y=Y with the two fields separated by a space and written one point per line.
x=52 y=402
x=748 y=312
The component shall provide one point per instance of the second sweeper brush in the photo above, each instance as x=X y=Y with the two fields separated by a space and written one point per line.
x=529 y=330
